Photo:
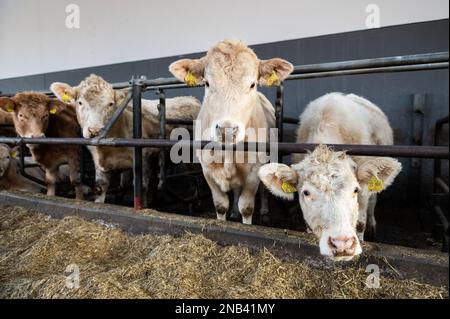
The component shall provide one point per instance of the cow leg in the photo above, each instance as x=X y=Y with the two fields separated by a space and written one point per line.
x=371 y=228
x=145 y=180
x=264 y=201
x=101 y=184
x=247 y=198
x=51 y=175
x=75 y=177
x=235 y=210
x=220 y=199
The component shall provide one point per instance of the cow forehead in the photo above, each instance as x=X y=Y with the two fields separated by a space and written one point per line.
x=326 y=170
x=231 y=59
x=328 y=178
x=31 y=103
x=96 y=91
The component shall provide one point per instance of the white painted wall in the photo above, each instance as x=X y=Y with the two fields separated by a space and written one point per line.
x=34 y=38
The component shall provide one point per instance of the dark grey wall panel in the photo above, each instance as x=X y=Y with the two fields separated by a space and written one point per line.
x=392 y=92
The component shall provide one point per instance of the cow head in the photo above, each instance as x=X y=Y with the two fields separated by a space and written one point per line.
x=231 y=72
x=31 y=112
x=331 y=188
x=7 y=154
x=94 y=99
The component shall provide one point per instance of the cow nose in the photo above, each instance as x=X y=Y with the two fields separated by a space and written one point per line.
x=226 y=132
x=93 y=131
x=342 y=245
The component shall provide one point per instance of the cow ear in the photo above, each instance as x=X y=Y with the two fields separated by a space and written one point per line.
x=378 y=173
x=54 y=106
x=280 y=179
x=273 y=71
x=7 y=104
x=119 y=95
x=189 y=71
x=64 y=92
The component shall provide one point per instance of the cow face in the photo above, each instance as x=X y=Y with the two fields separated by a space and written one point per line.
x=231 y=72
x=6 y=156
x=31 y=112
x=94 y=99
x=331 y=189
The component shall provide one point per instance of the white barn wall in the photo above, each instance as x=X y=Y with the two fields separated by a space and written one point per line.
x=34 y=38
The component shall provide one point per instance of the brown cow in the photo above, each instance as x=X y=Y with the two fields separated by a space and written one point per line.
x=36 y=115
x=10 y=177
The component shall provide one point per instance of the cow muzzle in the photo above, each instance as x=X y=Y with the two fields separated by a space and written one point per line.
x=92 y=132
x=341 y=246
x=228 y=132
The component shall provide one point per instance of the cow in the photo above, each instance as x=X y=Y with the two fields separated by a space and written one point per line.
x=6 y=124
x=35 y=115
x=95 y=101
x=232 y=106
x=10 y=177
x=337 y=192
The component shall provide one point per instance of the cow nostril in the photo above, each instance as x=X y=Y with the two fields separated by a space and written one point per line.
x=342 y=244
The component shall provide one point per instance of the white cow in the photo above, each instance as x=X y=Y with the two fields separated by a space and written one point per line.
x=231 y=106
x=337 y=192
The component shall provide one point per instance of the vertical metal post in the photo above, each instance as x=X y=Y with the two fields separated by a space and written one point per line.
x=279 y=111
x=162 y=135
x=136 y=87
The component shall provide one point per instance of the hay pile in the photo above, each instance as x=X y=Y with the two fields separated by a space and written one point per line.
x=35 y=251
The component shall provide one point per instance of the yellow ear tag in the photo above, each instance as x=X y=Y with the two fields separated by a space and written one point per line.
x=273 y=79
x=375 y=184
x=288 y=187
x=52 y=110
x=14 y=154
x=190 y=79
x=65 y=98
x=10 y=108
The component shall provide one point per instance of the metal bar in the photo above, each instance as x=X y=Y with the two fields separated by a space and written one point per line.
x=162 y=135
x=137 y=134
x=117 y=113
x=290 y=120
x=23 y=166
x=279 y=111
x=442 y=185
x=387 y=69
x=374 y=63
x=352 y=149
x=179 y=122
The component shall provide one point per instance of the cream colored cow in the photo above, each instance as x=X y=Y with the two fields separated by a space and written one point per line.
x=95 y=101
x=337 y=192
x=231 y=107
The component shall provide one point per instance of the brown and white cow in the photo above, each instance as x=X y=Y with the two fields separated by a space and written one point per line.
x=95 y=101
x=35 y=116
x=337 y=192
x=231 y=107
x=10 y=177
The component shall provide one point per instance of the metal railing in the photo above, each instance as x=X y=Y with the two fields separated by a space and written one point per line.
x=419 y=62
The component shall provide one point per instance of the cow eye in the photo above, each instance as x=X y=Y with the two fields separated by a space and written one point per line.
x=253 y=85
x=207 y=84
x=306 y=193
x=111 y=104
x=356 y=190
x=80 y=103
